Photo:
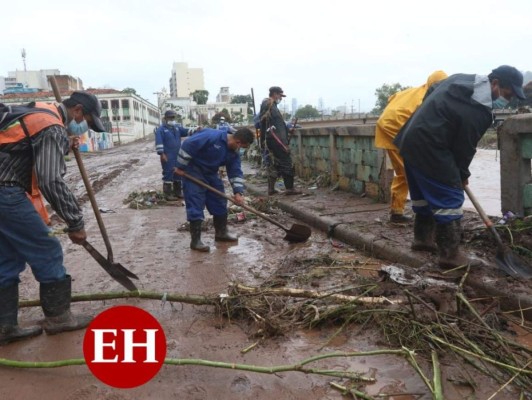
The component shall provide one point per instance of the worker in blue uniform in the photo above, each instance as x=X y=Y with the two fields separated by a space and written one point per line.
x=201 y=156
x=223 y=125
x=167 y=143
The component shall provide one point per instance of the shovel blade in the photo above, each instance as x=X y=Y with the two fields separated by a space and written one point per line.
x=117 y=271
x=298 y=233
x=512 y=264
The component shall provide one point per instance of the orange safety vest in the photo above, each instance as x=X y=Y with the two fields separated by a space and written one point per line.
x=34 y=123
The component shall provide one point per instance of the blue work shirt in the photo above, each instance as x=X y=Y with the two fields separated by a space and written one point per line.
x=168 y=138
x=207 y=151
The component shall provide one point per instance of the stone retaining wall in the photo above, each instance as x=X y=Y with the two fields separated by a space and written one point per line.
x=345 y=155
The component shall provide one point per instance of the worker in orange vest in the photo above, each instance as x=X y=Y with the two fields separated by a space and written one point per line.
x=32 y=150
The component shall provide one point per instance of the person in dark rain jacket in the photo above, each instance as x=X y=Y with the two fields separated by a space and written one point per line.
x=438 y=143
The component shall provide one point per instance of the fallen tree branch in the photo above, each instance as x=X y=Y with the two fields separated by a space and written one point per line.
x=312 y=294
x=138 y=294
x=297 y=367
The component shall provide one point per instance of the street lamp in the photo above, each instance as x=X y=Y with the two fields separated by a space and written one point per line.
x=115 y=114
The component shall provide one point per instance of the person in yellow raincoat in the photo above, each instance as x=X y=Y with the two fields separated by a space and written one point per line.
x=400 y=107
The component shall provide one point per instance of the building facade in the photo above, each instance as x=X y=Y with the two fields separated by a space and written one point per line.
x=37 y=81
x=185 y=80
x=129 y=116
x=126 y=116
x=224 y=96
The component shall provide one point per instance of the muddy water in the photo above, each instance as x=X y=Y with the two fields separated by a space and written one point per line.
x=147 y=242
x=485 y=181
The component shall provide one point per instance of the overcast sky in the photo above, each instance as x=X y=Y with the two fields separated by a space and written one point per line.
x=339 y=51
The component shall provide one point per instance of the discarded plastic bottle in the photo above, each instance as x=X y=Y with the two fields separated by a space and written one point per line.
x=507 y=217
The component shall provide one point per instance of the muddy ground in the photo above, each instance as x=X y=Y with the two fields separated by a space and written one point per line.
x=148 y=241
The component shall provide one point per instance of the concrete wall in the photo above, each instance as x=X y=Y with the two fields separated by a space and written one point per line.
x=515 y=137
x=345 y=155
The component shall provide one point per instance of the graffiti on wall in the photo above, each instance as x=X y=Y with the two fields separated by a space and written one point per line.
x=95 y=141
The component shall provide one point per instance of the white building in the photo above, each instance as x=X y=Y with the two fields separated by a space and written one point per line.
x=190 y=111
x=185 y=80
x=126 y=116
x=17 y=81
x=224 y=96
x=129 y=116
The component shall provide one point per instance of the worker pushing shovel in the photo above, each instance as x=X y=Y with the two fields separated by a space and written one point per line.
x=201 y=156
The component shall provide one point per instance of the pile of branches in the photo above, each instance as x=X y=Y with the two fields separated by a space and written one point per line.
x=409 y=321
x=145 y=199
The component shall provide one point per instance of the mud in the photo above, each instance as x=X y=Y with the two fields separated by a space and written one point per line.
x=149 y=243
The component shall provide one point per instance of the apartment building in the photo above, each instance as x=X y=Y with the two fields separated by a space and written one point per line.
x=184 y=80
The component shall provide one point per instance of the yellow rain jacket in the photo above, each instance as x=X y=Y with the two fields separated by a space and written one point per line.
x=400 y=108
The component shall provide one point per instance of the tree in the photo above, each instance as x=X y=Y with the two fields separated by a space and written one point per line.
x=200 y=96
x=243 y=98
x=177 y=109
x=383 y=94
x=307 y=112
x=129 y=90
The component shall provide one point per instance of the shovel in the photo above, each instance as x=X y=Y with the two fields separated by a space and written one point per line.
x=505 y=258
x=296 y=234
x=117 y=271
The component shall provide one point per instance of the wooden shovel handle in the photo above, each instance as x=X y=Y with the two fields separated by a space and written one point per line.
x=86 y=181
x=483 y=216
x=244 y=206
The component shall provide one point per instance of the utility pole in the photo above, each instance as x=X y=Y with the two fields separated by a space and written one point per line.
x=23 y=52
x=117 y=116
x=358 y=108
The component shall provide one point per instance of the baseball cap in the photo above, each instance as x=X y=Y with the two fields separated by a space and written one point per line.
x=277 y=89
x=511 y=76
x=92 y=106
x=170 y=114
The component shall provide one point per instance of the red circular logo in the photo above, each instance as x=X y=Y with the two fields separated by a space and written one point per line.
x=124 y=346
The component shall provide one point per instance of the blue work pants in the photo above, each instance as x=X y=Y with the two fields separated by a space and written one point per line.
x=169 y=166
x=24 y=238
x=430 y=197
x=197 y=198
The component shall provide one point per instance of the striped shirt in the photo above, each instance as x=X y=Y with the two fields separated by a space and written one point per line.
x=49 y=148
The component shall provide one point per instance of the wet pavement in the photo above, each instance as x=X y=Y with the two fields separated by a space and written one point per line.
x=149 y=244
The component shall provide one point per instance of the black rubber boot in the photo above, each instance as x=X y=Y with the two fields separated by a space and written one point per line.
x=55 y=303
x=289 y=185
x=220 y=229
x=195 y=234
x=271 y=186
x=168 y=192
x=9 y=329
x=400 y=218
x=448 y=239
x=178 y=192
x=424 y=229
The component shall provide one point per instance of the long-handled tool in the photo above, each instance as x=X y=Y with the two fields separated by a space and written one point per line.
x=505 y=258
x=297 y=233
x=111 y=267
x=116 y=270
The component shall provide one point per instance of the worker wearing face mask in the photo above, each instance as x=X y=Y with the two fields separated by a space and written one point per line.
x=275 y=138
x=438 y=143
x=167 y=144
x=32 y=153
